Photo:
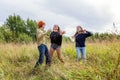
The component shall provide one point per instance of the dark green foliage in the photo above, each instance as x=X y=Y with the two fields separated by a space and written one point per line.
x=31 y=27
x=66 y=39
x=16 y=29
x=5 y=34
x=104 y=37
x=16 y=25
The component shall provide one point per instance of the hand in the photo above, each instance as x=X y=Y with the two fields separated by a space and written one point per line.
x=49 y=30
x=73 y=37
x=62 y=32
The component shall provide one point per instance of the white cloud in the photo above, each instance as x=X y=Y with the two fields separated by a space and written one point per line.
x=96 y=16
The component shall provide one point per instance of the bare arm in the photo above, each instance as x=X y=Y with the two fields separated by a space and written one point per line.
x=62 y=32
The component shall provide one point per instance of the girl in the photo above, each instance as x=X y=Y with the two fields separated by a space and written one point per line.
x=56 y=41
x=80 y=38
x=43 y=50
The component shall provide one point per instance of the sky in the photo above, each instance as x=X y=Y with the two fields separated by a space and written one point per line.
x=92 y=15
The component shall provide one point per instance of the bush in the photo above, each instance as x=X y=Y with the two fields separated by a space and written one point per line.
x=24 y=38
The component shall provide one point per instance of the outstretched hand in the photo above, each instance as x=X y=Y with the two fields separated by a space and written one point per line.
x=72 y=38
x=62 y=32
x=49 y=30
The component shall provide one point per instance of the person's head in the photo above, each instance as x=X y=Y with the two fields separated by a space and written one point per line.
x=41 y=24
x=79 y=29
x=56 y=28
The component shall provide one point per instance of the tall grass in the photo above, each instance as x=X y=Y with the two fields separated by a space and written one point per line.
x=103 y=63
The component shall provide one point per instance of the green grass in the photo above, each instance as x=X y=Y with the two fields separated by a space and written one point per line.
x=103 y=63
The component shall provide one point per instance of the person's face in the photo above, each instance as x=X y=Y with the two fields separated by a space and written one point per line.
x=55 y=28
x=43 y=26
x=79 y=29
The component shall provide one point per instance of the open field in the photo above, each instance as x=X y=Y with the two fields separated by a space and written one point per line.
x=103 y=63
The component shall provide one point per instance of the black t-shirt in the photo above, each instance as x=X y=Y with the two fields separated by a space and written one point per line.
x=56 y=38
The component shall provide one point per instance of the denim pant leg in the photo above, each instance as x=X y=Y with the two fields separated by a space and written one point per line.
x=83 y=51
x=78 y=53
x=41 y=49
x=47 y=54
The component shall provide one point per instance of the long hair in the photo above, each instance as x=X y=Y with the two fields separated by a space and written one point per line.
x=81 y=31
x=58 y=27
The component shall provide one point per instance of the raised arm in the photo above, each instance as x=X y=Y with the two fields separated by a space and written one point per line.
x=62 y=32
x=88 y=33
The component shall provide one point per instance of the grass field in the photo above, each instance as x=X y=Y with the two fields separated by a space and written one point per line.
x=103 y=63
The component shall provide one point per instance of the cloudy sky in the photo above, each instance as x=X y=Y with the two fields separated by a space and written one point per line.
x=93 y=15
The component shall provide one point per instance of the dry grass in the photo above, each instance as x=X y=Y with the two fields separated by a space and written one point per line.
x=17 y=63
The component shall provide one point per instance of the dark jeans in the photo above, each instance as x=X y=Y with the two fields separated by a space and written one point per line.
x=43 y=50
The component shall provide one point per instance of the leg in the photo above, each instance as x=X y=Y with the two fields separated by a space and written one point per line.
x=47 y=54
x=58 y=50
x=78 y=53
x=83 y=51
x=51 y=52
x=41 y=49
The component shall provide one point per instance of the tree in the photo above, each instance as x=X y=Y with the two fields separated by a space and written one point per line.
x=16 y=25
x=5 y=34
x=31 y=28
x=19 y=26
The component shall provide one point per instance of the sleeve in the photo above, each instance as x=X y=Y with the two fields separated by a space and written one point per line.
x=88 y=34
x=51 y=35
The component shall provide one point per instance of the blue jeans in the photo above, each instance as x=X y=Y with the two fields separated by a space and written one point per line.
x=43 y=50
x=81 y=51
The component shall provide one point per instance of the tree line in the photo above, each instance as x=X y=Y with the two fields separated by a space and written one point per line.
x=17 y=30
